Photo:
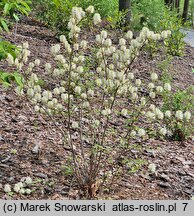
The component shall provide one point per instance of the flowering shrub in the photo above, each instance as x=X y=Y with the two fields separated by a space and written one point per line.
x=103 y=105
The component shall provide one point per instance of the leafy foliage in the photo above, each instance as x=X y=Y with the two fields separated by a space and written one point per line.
x=175 y=44
x=13 y=9
x=5 y=48
x=8 y=78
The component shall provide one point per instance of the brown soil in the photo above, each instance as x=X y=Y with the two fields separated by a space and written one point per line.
x=22 y=130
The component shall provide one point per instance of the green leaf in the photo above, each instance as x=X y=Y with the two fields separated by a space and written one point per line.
x=16 y=17
x=18 y=79
x=4 y=24
x=6 y=9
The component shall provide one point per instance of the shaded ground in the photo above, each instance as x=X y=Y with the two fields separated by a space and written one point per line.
x=21 y=130
x=189 y=38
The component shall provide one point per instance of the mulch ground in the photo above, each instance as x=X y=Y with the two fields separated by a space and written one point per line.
x=21 y=130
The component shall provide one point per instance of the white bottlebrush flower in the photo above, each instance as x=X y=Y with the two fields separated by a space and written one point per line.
x=167 y=114
x=56 y=91
x=179 y=115
x=64 y=97
x=47 y=66
x=159 y=89
x=143 y=101
x=86 y=104
x=96 y=122
x=84 y=95
x=129 y=35
x=44 y=100
x=76 y=46
x=98 y=38
x=30 y=92
x=31 y=65
x=83 y=44
x=138 y=82
x=104 y=34
x=151 y=85
x=81 y=58
x=152 y=168
x=152 y=95
x=90 y=9
x=187 y=115
x=55 y=49
x=7 y=188
x=130 y=76
x=28 y=191
x=59 y=106
x=98 y=82
x=163 y=131
x=108 y=42
x=37 y=97
x=152 y=107
x=62 y=39
x=159 y=114
x=141 y=132
x=60 y=58
x=61 y=89
x=16 y=188
x=134 y=96
x=55 y=101
x=122 y=42
x=90 y=92
x=167 y=87
x=80 y=69
x=56 y=72
x=154 y=76
x=106 y=112
x=16 y=62
x=50 y=104
x=25 y=45
x=150 y=115
x=75 y=124
x=36 y=108
x=124 y=112
x=37 y=62
x=37 y=89
x=78 y=89
x=133 y=133
x=10 y=59
x=96 y=18
x=165 y=34
x=22 y=191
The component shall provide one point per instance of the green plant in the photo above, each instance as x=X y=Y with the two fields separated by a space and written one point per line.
x=7 y=78
x=175 y=44
x=177 y=102
x=50 y=11
x=13 y=9
x=7 y=48
x=147 y=13
x=93 y=98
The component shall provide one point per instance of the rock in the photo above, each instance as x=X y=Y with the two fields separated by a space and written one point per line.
x=164 y=185
x=41 y=175
x=2 y=139
x=164 y=177
x=6 y=159
x=36 y=148
x=48 y=189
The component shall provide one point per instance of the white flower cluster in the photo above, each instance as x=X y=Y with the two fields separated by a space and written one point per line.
x=20 y=187
x=22 y=56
